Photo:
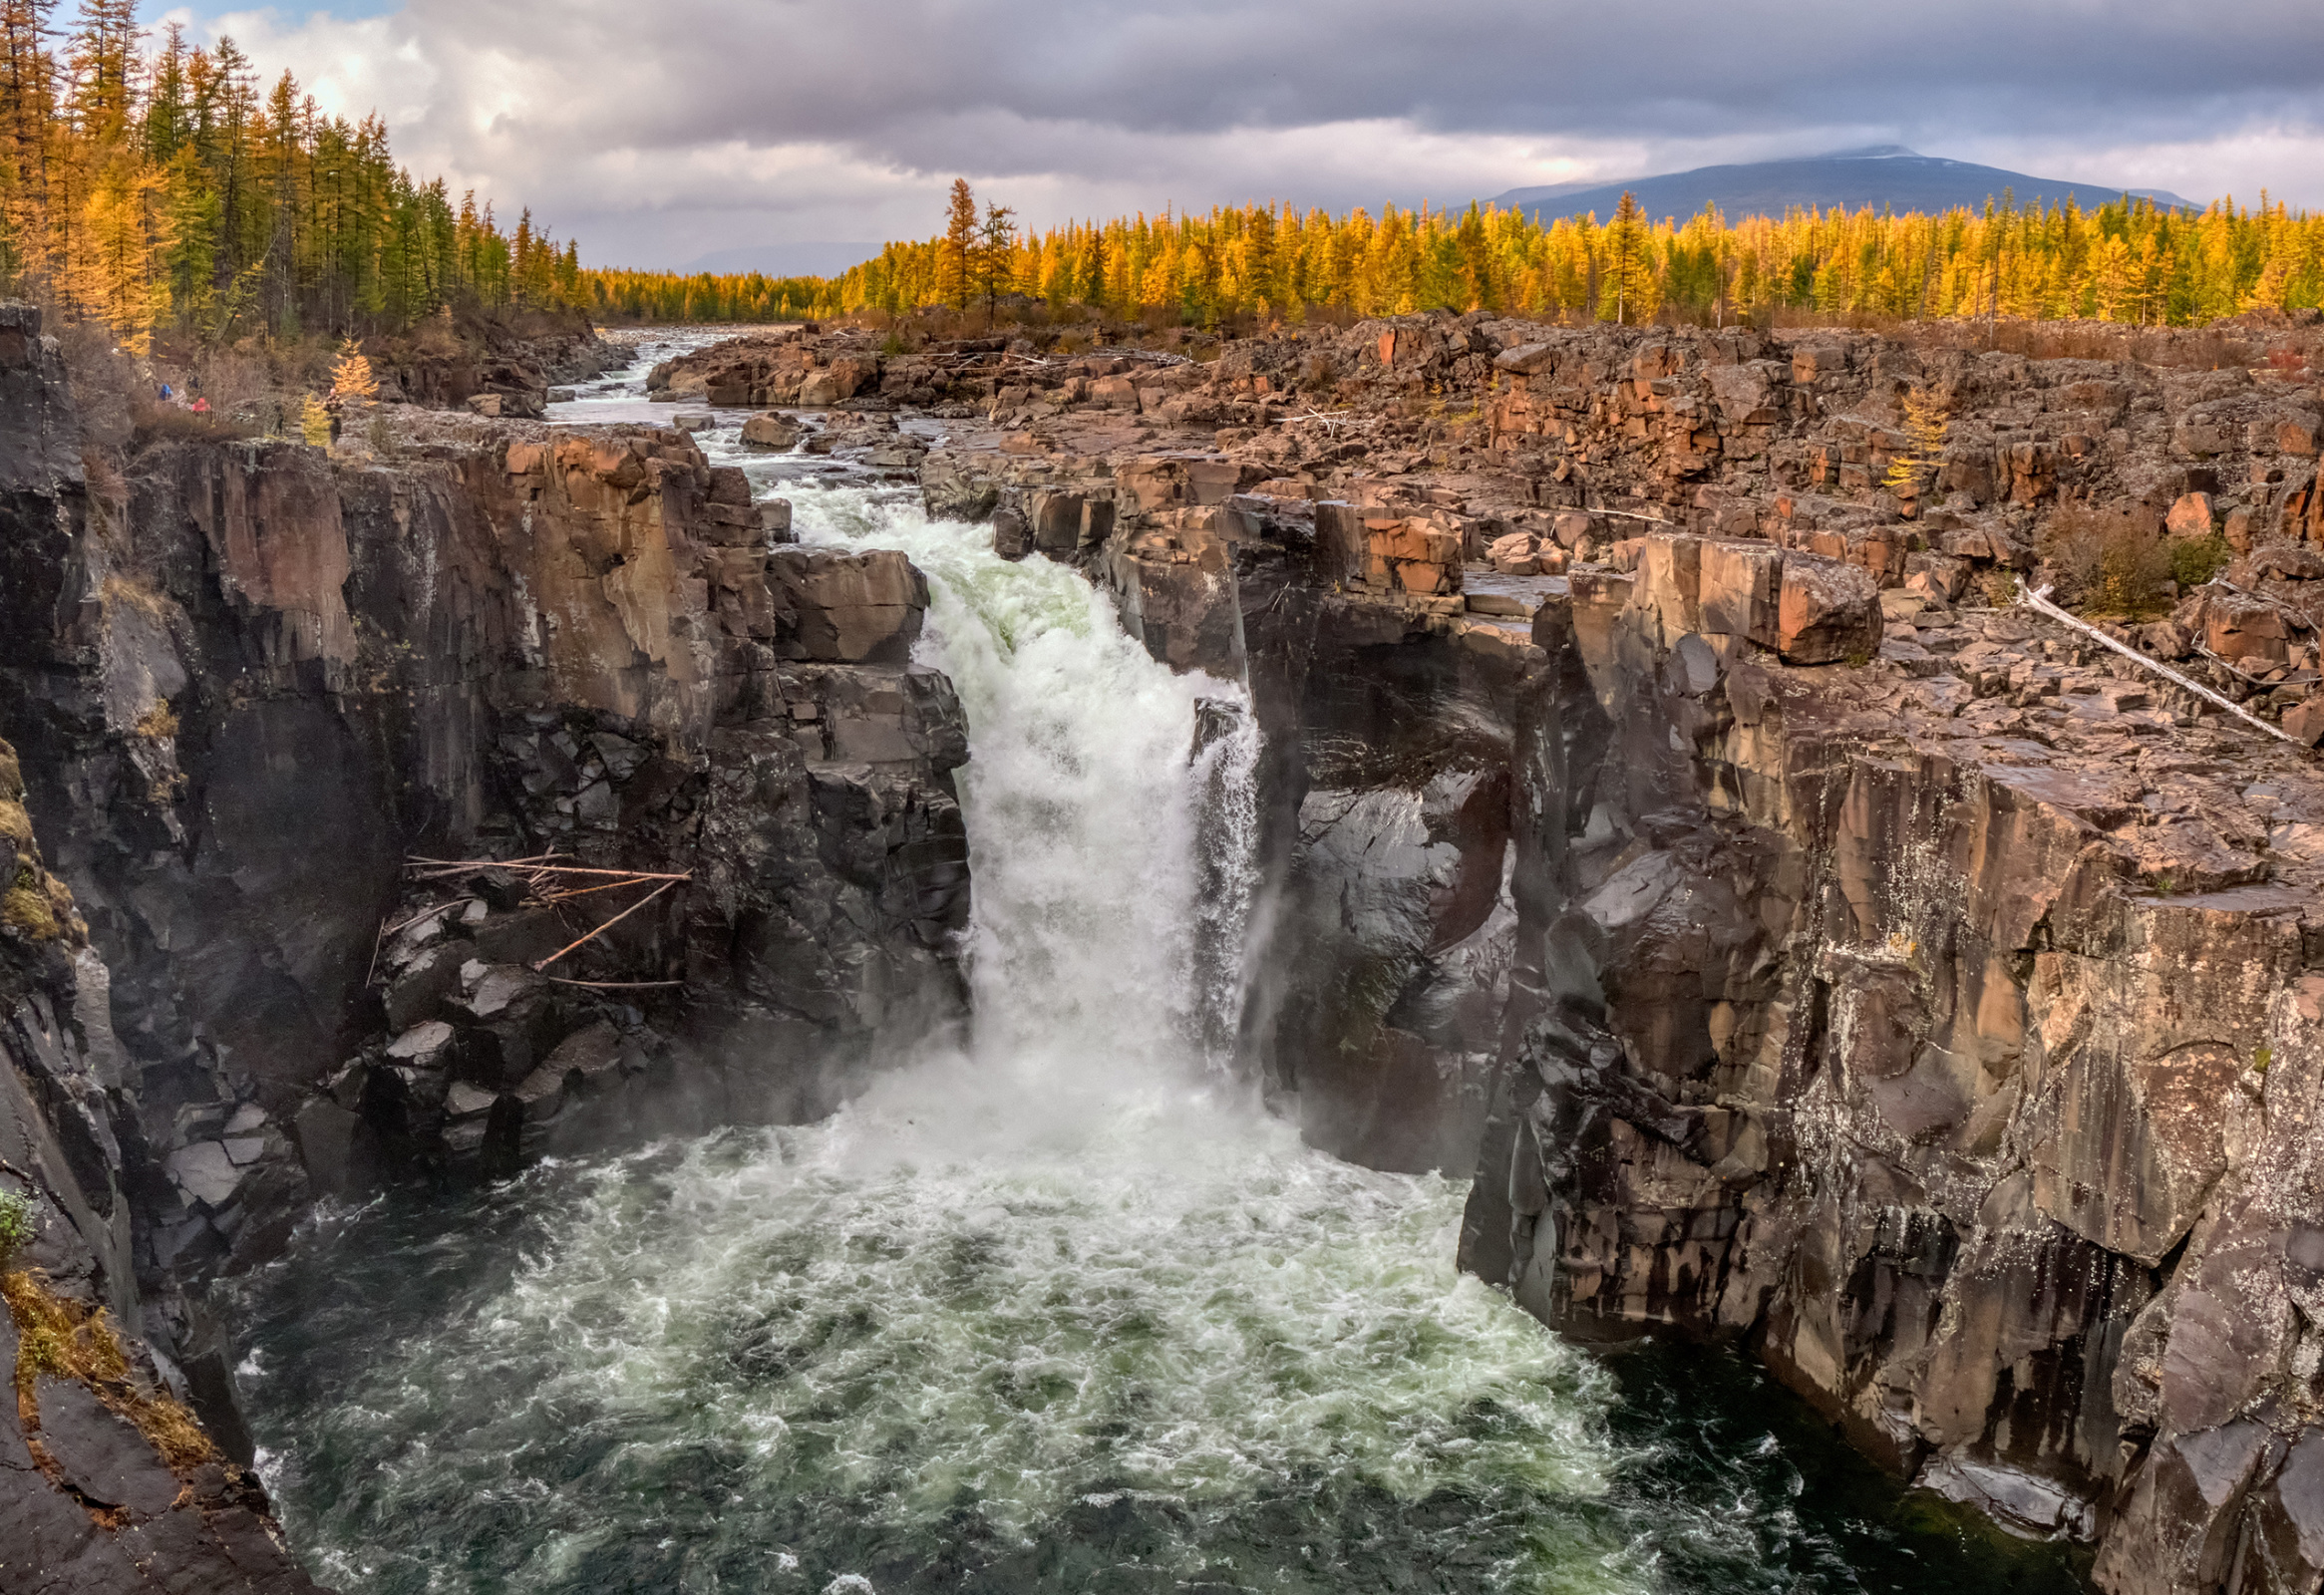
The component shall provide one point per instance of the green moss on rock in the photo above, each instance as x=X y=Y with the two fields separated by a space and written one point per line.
x=27 y=909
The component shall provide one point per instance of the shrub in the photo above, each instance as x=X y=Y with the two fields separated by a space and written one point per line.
x=19 y=1223
x=2114 y=564
x=2195 y=560
x=156 y=423
x=28 y=910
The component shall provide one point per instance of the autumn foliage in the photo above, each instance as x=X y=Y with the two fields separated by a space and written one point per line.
x=168 y=192
x=2126 y=261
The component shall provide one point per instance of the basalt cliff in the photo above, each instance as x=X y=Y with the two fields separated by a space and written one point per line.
x=246 y=682
x=1808 y=942
x=1668 y=814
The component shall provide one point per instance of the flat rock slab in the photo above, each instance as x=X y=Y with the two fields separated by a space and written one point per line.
x=103 y=1456
x=1490 y=594
x=207 y=1173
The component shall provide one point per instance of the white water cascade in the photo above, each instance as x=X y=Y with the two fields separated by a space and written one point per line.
x=1098 y=961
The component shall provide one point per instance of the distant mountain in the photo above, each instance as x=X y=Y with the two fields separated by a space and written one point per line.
x=1885 y=175
x=784 y=259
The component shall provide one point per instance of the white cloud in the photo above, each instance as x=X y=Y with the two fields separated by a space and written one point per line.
x=658 y=133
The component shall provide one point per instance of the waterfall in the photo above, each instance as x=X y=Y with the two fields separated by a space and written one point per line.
x=1112 y=810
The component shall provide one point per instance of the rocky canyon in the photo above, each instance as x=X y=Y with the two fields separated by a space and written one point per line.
x=1666 y=813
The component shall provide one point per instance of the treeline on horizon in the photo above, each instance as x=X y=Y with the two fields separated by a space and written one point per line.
x=163 y=192
x=2127 y=260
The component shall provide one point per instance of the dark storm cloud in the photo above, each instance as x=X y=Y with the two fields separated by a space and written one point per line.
x=912 y=81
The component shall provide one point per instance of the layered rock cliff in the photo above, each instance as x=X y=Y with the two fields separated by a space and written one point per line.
x=246 y=681
x=1958 y=1055
x=1807 y=943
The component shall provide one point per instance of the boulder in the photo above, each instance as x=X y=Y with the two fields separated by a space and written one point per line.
x=773 y=432
x=2239 y=626
x=2304 y=722
x=1012 y=537
x=846 y=608
x=1828 y=610
x=1115 y=393
x=1055 y=522
x=2288 y=562
x=1514 y=556
x=2190 y=516
x=1526 y=359
x=852 y=374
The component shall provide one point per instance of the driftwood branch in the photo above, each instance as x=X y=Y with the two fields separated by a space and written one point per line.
x=2038 y=600
x=546 y=882
x=666 y=884
x=611 y=985
x=432 y=868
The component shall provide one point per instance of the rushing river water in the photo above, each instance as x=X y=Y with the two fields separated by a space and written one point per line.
x=1067 y=1313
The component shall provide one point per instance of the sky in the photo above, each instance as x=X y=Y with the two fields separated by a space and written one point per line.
x=662 y=132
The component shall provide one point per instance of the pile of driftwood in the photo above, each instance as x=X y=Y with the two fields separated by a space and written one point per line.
x=546 y=880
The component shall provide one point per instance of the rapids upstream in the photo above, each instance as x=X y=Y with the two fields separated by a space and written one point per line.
x=1066 y=1311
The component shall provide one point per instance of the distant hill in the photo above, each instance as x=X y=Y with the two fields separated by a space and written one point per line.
x=1883 y=176
x=782 y=260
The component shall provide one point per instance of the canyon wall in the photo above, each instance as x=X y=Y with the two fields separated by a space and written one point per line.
x=1804 y=942
x=244 y=680
x=1667 y=815
x=106 y=1483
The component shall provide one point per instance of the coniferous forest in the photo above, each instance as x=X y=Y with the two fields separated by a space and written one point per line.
x=177 y=191
x=2127 y=260
x=171 y=191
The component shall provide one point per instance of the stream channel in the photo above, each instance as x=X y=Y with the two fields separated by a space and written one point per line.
x=1069 y=1312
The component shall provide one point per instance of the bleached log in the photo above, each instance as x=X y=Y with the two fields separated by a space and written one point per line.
x=2038 y=600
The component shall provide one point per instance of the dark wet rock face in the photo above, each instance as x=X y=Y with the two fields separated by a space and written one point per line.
x=243 y=682
x=1392 y=861
x=1807 y=951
